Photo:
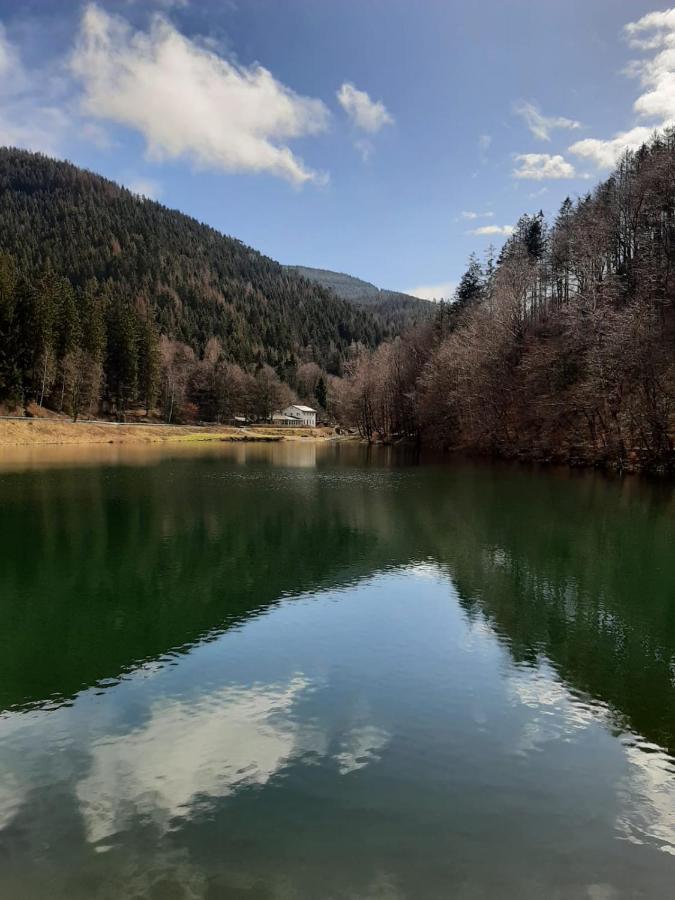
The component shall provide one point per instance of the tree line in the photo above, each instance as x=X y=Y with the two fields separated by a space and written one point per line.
x=88 y=351
x=563 y=347
x=183 y=278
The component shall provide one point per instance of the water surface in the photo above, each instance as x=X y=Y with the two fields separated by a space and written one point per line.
x=317 y=671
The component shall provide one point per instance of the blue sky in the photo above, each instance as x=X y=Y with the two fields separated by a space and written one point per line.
x=383 y=138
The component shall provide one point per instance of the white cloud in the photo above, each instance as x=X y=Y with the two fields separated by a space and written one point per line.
x=190 y=103
x=145 y=187
x=606 y=153
x=656 y=32
x=443 y=290
x=540 y=125
x=538 y=166
x=505 y=230
x=657 y=75
x=469 y=214
x=366 y=114
x=663 y=23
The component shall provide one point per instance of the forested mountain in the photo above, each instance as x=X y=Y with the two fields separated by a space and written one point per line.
x=88 y=266
x=563 y=348
x=395 y=311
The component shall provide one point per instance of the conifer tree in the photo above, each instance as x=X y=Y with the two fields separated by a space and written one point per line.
x=149 y=364
x=321 y=392
x=9 y=373
x=122 y=355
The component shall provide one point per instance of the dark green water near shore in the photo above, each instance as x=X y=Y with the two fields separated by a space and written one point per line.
x=329 y=671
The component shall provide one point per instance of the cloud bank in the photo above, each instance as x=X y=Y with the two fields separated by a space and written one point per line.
x=653 y=32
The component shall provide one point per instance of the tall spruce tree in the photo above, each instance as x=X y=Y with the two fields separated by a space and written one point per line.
x=122 y=355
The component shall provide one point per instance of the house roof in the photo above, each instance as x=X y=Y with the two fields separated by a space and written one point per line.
x=302 y=408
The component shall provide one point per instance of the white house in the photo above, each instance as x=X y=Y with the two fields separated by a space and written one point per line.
x=296 y=415
x=280 y=418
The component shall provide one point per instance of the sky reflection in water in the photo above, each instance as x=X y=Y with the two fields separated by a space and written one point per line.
x=384 y=734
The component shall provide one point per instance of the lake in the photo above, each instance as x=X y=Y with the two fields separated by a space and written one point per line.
x=331 y=671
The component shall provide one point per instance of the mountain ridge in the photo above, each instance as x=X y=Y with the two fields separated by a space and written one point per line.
x=395 y=310
x=197 y=282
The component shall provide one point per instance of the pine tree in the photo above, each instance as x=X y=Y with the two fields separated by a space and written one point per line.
x=321 y=392
x=26 y=331
x=470 y=285
x=67 y=337
x=122 y=355
x=148 y=362
x=44 y=312
x=87 y=361
x=9 y=373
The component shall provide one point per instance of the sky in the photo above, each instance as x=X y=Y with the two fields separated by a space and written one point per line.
x=382 y=138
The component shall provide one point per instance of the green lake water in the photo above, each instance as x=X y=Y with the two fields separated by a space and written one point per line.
x=328 y=671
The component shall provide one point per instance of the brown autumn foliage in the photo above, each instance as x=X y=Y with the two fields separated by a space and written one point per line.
x=564 y=349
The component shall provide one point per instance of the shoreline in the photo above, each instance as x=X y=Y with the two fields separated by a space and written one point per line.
x=36 y=432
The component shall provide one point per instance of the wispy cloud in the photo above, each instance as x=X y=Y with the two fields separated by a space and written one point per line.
x=470 y=214
x=504 y=230
x=540 y=166
x=190 y=103
x=366 y=114
x=484 y=143
x=365 y=147
x=540 y=125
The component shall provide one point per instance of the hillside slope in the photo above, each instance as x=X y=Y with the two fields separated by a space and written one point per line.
x=395 y=311
x=197 y=283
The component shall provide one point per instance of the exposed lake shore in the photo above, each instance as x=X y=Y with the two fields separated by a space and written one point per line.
x=36 y=431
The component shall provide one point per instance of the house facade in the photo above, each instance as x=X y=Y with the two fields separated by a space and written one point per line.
x=296 y=415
